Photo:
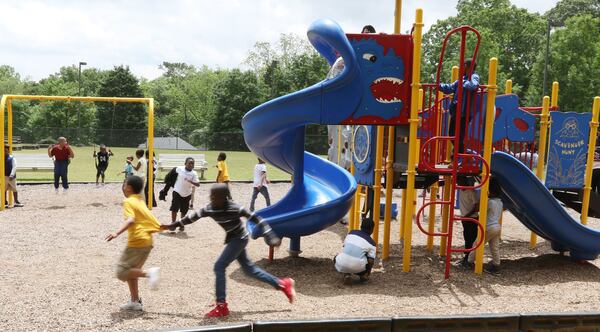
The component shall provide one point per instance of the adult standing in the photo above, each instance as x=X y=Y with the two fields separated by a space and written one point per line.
x=187 y=180
x=61 y=154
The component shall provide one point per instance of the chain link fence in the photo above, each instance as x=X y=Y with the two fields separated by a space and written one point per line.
x=315 y=142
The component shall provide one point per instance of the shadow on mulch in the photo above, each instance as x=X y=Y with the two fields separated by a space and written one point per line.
x=176 y=235
x=318 y=277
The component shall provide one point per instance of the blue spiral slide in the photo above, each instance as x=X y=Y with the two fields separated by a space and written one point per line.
x=530 y=201
x=322 y=192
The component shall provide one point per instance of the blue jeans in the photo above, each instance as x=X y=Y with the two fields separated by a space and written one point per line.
x=263 y=191
x=236 y=250
x=61 y=168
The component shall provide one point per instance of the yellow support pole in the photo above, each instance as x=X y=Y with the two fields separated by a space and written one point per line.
x=544 y=124
x=377 y=185
x=9 y=125
x=435 y=186
x=389 y=192
x=508 y=87
x=389 y=178
x=150 y=152
x=2 y=157
x=507 y=90
x=357 y=208
x=587 y=188
x=487 y=155
x=402 y=213
x=412 y=146
x=339 y=145
x=351 y=218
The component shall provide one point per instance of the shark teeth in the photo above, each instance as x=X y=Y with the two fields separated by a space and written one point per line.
x=385 y=101
x=391 y=79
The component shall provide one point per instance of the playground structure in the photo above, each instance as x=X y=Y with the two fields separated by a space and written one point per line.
x=6 y=103
x=380 y=86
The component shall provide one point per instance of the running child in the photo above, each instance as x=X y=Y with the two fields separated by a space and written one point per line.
x=227 y=214
x=102 y=161
x=260 y=183
x=223 y=171
x=10 y=177
x=358 y=255
x=187 y=179
x=139 y=224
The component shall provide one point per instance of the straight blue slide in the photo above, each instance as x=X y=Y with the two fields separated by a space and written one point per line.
x=528 y=199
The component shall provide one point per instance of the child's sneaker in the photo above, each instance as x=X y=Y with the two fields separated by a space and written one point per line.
x=132 y=306
x=17 y=204
x=347 y=279
x=287 y=287
x=220 y=310
x=153 y=277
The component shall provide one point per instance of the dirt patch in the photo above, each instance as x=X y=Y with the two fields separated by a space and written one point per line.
x=57 y=273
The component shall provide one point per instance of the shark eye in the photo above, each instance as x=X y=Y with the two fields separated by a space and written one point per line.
x=370 y=57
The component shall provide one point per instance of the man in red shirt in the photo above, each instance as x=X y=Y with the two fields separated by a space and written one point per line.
x=61 y=153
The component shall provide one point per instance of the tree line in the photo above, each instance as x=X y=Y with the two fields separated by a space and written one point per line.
x=205 y=105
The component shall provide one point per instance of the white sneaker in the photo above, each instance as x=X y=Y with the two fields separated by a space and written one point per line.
x=153 y=277
x=132 y=306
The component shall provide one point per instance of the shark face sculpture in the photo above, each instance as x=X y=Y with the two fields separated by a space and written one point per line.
x=382 y=65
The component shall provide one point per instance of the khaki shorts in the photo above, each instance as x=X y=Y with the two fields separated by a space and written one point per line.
x=132 y=258
x=10 y=184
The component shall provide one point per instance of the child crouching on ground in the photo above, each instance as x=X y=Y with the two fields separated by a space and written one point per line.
x=358 y=254
x=227 y=214
x=493 y=227
x=139 y=224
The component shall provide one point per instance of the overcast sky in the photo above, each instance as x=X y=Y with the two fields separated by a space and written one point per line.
x=41 y=36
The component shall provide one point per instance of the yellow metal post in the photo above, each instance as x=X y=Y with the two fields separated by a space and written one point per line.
x=544 y=124
x=402 y=213
x=507 y=90
x=339 y=145
x=2 y=157
x=377 y=185
x=352 y=217
x=150 y=152
x=508 y=87
x=487 y=155
x=389 y=178
x=9 y=125
x=389 y=192
x=412 y=140
x=587 y=188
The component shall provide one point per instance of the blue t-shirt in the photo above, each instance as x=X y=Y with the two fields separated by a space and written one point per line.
x=128 y=169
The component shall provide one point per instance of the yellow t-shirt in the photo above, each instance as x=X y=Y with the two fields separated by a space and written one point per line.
x=224 y=172
x=140 y=232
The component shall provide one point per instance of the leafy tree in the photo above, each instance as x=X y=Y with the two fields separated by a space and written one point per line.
x=130 y=119
x=566 y=9
x=237 y=93
x=574 y=63
x=511 y=34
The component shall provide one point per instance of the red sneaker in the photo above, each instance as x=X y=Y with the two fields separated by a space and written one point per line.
x=287 y=287
x=220 y=310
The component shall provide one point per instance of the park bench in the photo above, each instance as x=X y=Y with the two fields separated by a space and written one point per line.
x=34 y=162
x=167 y=161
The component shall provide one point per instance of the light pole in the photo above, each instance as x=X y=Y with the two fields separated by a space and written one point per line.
x=81 y=63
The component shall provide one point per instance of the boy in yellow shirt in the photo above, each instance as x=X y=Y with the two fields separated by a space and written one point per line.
x=139 y=224
x=223 y=171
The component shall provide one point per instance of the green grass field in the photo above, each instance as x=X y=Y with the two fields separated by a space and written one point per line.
x=82 y=168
